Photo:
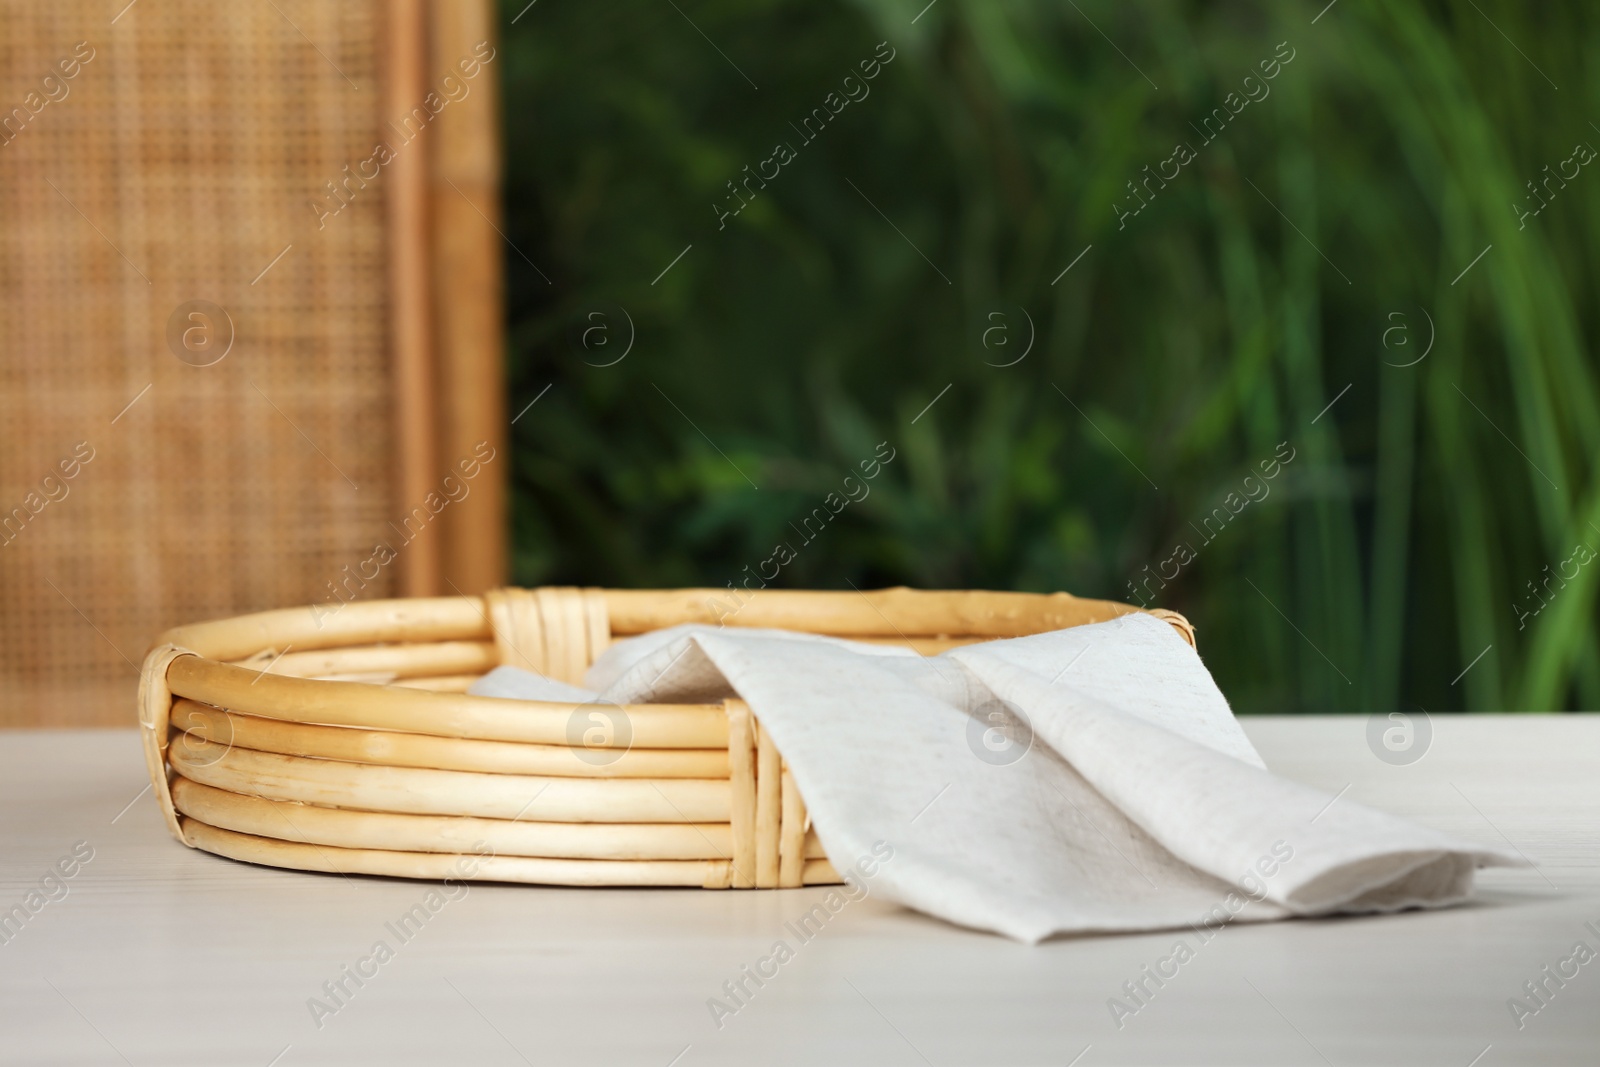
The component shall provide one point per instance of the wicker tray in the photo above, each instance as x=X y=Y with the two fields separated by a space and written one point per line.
x=342 y=740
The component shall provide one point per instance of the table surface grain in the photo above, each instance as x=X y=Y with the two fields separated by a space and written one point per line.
x=158 y=954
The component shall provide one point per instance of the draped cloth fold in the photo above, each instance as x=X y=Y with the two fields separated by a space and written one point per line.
x=1086 y=780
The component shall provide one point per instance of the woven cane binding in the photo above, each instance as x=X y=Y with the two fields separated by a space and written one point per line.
x=555 y=631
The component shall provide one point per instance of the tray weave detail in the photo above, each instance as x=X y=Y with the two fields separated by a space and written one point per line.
x=347 y=743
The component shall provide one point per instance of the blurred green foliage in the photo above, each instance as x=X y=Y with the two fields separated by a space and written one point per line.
x=1178 y=352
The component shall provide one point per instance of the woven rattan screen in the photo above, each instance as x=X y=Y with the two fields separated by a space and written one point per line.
x=167 y=153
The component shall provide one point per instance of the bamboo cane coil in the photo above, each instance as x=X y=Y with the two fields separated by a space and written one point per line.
x=347 y=744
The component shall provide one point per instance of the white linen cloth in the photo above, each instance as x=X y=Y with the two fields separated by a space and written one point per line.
x=1089 y=779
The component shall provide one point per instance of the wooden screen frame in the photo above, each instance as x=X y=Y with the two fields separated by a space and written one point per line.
x=446 y=284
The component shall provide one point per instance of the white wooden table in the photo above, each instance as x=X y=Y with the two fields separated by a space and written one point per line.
x=161 y=955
